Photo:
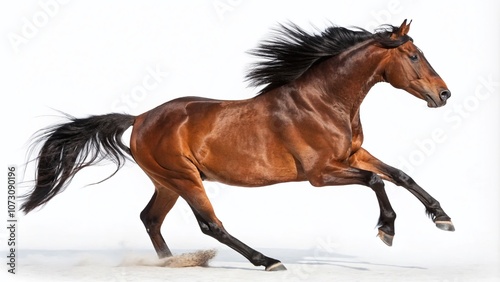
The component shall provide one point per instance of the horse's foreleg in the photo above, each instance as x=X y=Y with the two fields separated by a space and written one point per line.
x=153 y=215
x=342 y=174
x=365 y=160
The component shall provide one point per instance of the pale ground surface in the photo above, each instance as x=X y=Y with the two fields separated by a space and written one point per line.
x=302 y=265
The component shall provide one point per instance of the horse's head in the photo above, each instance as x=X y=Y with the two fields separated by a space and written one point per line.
x=407 y=69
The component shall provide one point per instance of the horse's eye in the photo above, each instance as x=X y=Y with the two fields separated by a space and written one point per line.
x=413 y=58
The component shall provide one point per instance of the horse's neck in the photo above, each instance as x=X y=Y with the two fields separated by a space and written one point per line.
x=345 y=80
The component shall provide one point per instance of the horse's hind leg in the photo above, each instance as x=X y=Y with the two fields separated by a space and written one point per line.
x=212 y=226
x=191 y=189
x=153 y=215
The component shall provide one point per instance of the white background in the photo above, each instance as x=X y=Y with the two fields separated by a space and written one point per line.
x=87 y=57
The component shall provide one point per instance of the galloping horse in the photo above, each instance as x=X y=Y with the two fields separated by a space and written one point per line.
x=303 y=126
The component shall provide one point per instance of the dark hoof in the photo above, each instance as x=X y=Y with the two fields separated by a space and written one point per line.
x=276 y=267
x=445 y=225
x=387 y=239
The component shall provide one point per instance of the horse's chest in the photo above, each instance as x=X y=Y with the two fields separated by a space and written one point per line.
x=347 y=142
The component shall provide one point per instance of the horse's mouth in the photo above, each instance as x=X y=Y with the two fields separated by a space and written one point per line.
x=431 y=103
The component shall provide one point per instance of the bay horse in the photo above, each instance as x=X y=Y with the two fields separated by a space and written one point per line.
x=304 y=125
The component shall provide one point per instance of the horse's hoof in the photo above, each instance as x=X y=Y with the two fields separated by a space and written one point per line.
x=445 y=225
x=387 y=239
x=276 y=267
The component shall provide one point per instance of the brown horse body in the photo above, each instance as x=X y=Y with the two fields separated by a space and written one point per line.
x=302 y=129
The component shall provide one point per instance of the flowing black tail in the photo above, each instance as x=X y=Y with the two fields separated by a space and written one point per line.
x=69 y=147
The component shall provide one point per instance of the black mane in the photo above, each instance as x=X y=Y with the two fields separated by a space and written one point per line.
x=293 y=51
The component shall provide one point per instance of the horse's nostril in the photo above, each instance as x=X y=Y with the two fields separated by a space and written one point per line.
x=444 y=95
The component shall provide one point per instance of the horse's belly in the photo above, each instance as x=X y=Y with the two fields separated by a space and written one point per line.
x=249 y=170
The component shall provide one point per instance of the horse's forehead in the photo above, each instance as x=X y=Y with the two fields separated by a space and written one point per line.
x=408 y=46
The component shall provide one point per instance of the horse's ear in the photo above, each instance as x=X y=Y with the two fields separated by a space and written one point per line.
x=402 y=30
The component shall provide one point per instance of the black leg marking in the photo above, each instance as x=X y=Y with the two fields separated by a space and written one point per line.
x=218 y=232
x=387 y=215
